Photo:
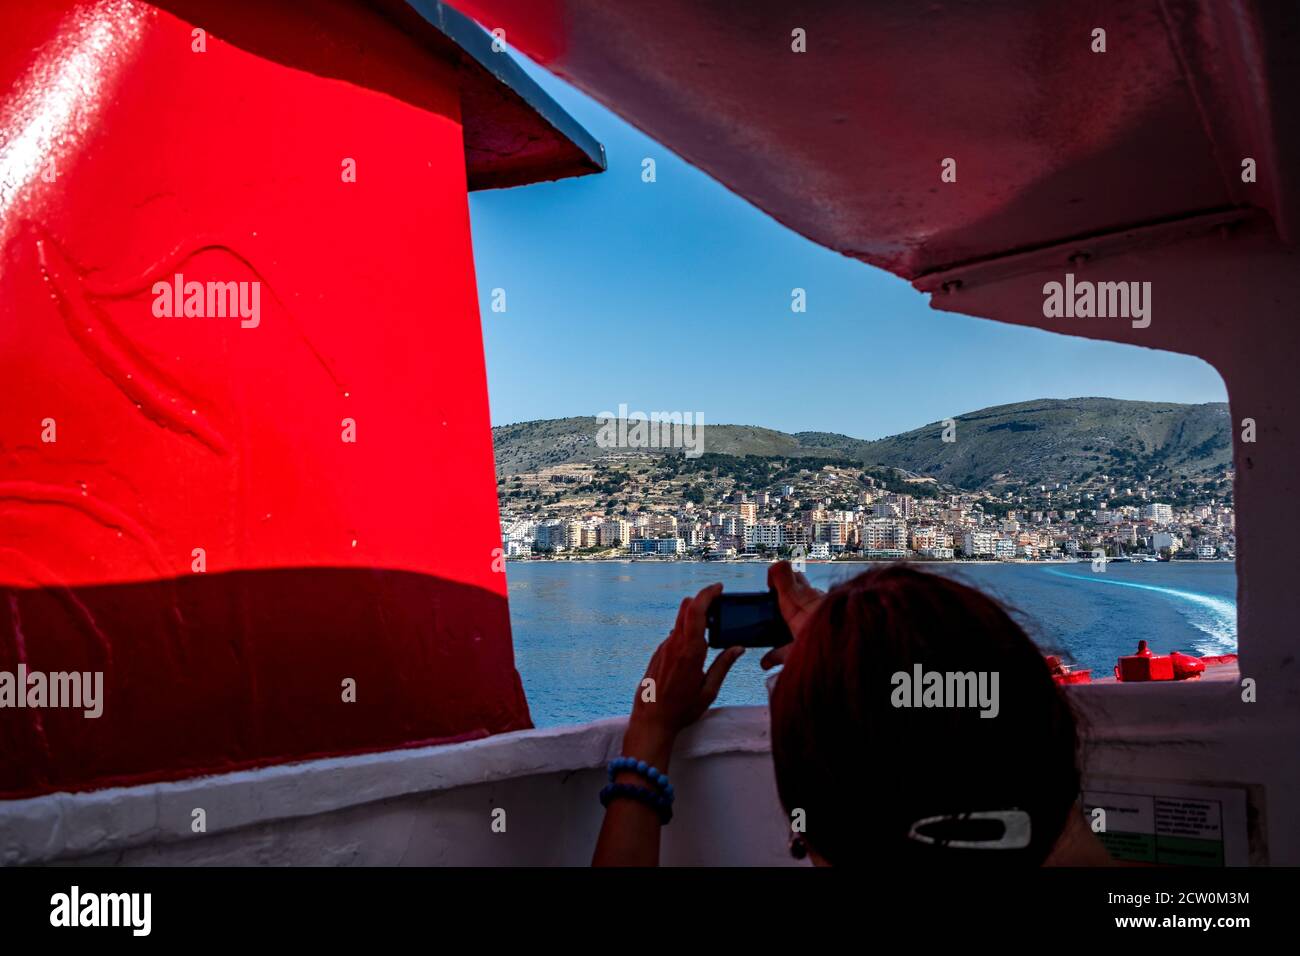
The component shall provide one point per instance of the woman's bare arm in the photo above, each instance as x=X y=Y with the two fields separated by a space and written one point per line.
x=680 y=692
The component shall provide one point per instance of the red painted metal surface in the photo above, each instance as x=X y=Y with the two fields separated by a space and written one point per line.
x=1143 y=665
x=1186 y=667
x=843 y=143
x=326 y=560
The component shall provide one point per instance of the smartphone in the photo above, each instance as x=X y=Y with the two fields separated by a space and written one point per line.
x=747 y=619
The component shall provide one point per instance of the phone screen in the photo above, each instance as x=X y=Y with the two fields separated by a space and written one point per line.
x=747 y=620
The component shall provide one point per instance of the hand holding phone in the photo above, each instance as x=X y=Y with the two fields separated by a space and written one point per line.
x=747 y=619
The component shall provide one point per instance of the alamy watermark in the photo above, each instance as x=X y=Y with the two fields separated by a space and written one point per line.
x=208 y=300
x=683 y=430
x=76 y=689
x=1102 y=300
x=75 y=908
x=923 y=688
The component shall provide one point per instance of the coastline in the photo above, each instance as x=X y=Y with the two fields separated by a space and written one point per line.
x=659 y=560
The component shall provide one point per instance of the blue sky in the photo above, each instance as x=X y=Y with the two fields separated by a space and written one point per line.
x=675 y=296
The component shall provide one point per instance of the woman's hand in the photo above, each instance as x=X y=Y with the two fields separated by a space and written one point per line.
x=681 y=690
x=797 y=599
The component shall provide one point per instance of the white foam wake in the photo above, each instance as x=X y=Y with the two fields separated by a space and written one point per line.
x=1215 y=617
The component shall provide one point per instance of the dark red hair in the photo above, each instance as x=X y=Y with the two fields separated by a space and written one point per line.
x=864 y=771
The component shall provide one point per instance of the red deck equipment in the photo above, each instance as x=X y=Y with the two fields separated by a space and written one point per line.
x=1143 y=665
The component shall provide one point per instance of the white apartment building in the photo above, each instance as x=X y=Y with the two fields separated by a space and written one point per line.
x=884 y=535
x=1163 y=539
x=734 y=526
x=520 y=532
x=765 y=534
x=978 y=543
x=658 y=546
x=1159 y=513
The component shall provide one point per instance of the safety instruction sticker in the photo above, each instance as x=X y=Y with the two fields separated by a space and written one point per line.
x=1172 y=824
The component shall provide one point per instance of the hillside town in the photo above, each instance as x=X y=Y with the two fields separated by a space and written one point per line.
x=757 y=509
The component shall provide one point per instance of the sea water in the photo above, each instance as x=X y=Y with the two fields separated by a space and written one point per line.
x=584 y=631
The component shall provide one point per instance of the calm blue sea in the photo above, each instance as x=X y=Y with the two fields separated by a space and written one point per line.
x=584 y=631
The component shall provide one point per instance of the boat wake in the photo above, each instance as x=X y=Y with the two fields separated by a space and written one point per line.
x=1214 y=617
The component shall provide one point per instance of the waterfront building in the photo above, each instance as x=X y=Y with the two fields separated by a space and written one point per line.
x=765 y=534
x=1163 y=539
x=615 y=533
x=550 y=536
x=885 y=554
x=977 y=544
x=836 y=534
x=734 y=526
x=662 y=526
x=924 y=537
x=884 y=534
x=660 y=546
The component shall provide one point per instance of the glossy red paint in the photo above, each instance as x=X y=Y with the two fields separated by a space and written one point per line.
x=325 y=560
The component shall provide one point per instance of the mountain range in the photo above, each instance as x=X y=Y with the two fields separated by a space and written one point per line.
x=1042 y=440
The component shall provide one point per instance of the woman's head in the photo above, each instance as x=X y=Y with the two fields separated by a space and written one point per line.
x=864 y=764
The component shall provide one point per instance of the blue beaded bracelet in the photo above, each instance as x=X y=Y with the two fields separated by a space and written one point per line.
x=661 y=803
x=639 y=767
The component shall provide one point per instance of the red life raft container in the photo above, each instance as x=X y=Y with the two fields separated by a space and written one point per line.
x=1175 y=666
x=1144 y=666
x=1186 y=666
